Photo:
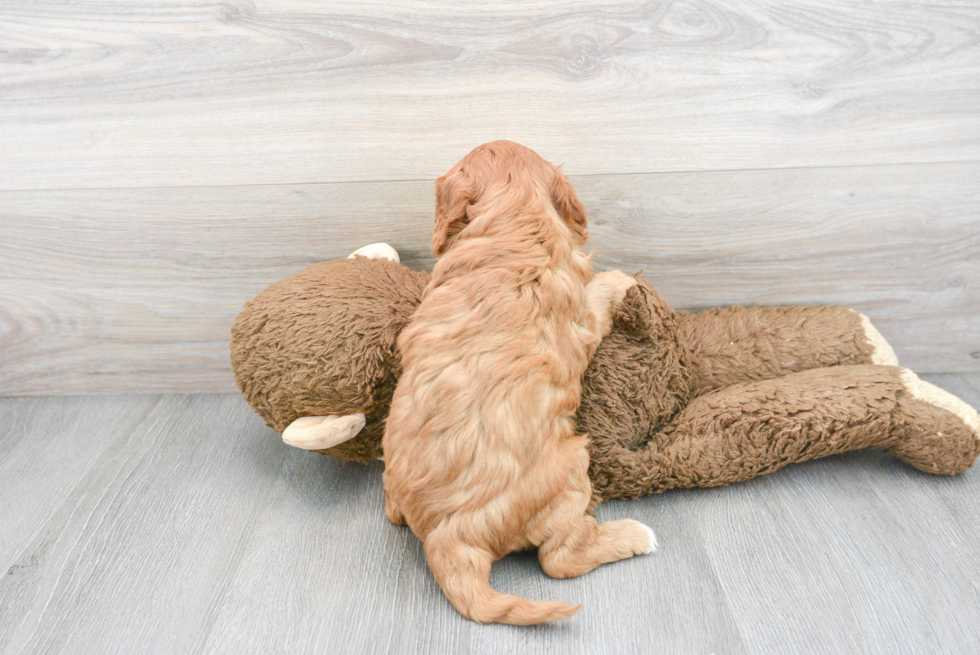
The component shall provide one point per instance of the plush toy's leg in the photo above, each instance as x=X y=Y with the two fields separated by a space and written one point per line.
x=943 y=449
x=322 y=432
x=739 y=344
x=753 y=428
x=377 y=251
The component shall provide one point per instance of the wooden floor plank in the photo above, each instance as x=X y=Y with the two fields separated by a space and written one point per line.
x=326 y=572
x=366 y=587
x=125 y=94
x=47 y=447
x=115 y=291
x=182 y=525
x=138 y=553
x=856 y=553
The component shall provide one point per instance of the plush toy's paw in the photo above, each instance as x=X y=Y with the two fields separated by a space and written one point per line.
x=933 y=395
x=881 y=351
x=377 y=251
x=938 y=433
x=322 y=432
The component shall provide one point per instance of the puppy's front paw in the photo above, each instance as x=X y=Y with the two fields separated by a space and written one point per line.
x=617 y=282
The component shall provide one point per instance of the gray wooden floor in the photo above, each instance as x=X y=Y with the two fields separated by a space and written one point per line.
x=181 y=524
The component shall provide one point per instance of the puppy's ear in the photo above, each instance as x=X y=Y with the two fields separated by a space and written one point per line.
x=454 y=193
x=568 y=207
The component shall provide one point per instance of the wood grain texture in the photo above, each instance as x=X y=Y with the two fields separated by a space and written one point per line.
x=137 y=555
x=108 y=291
x=125 y=94
x=195 y=530
x=367 y=587
x=861 y=538
x=47 y=447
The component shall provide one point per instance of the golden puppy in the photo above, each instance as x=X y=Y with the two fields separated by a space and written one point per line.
x=481 y=454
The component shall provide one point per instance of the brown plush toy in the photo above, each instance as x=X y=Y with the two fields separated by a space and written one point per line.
x=669 y=400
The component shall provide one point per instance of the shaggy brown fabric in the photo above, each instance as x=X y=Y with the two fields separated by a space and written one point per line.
x=322 y=342
x=738 y=344
x=669 y=400
x=752 y=428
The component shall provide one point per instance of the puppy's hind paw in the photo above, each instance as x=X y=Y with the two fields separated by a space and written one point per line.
x=651 y=544
x=394 y=514
x=638 y=537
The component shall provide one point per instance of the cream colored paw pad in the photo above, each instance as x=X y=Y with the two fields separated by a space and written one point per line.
x=933 y=395
x=321 y=432
x=377 y=251
x=881 y=351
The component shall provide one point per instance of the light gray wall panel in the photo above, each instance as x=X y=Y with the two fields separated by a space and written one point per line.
x=129 y=290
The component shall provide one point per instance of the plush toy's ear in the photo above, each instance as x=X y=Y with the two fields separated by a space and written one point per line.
x=567 y=205
x=455 y=192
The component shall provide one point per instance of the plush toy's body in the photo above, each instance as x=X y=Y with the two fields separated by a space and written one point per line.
x=669 y=400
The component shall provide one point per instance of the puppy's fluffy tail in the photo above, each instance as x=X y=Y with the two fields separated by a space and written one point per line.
x=463 y=572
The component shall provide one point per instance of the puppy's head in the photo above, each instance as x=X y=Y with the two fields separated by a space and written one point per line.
x=492 y=169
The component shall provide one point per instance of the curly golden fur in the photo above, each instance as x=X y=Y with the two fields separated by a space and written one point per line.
x=482 y=455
